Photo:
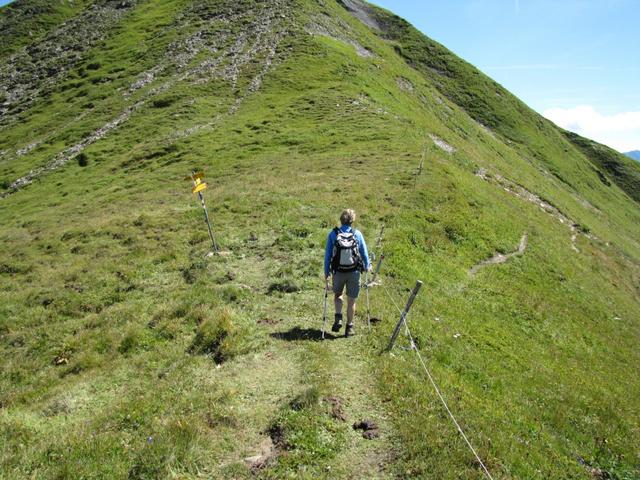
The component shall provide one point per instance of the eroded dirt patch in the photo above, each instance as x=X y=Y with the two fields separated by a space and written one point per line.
x=370 y=429
x=268 y=452
x=337 y=408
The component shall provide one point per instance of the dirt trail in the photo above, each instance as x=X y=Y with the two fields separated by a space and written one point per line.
x=354 y=383
x=292 y=360
x=521 y=192
x=500 y=257
x=352 y=392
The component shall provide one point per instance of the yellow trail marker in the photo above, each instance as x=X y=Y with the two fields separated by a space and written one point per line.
x=198 y=187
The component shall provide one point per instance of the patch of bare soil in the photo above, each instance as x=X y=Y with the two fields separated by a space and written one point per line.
x=268 y=451
x=337 y=410
x=370 y=429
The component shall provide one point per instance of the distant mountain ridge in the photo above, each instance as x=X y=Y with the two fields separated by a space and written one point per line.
x=635 y=154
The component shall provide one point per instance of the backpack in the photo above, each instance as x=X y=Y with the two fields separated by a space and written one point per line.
x=346 y=252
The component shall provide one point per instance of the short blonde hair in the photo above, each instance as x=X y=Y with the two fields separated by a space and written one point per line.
x=348 y=216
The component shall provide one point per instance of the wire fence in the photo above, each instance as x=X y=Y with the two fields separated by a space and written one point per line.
x=421 y=361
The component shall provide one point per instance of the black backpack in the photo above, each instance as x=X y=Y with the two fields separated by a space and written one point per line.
x=346 y=252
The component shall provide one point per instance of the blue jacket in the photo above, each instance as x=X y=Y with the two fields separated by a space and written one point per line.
x=331 y=239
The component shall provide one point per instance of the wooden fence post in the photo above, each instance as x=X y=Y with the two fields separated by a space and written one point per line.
x=403 y=316
x=377 y=270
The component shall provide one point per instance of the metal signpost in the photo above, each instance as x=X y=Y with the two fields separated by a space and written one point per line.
x=198 y=187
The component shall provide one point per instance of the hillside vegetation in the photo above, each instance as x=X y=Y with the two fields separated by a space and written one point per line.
x=129 y=353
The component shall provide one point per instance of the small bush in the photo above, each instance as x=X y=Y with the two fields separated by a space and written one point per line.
x=306 y=399
x=583 y=228
x=223 y=335
x=232 y=294
x=163 y=326
x=191 y=273
x=285 y=285
x=84 y=361
x=162 y=102
x=83 y=160
x=454 y=233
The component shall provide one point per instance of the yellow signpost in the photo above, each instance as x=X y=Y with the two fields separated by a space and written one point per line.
x=198 y=187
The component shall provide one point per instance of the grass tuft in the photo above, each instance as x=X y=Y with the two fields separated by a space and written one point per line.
x=222 y=334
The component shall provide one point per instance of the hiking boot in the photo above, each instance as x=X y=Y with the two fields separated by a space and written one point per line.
x=349 y=331
x=337 y=324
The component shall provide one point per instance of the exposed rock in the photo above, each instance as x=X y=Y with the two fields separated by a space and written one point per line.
x=405 y=84
x=361 y=11
x=442 y=144
x=318 y=29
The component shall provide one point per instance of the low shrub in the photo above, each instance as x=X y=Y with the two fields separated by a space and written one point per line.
x=223 y=334
x=285 y=285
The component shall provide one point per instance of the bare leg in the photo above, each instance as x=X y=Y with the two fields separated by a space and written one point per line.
x=351 y=310
x=338 y=303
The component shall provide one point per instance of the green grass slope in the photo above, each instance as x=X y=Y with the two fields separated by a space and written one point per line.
x=22 y=23
x=130 y=354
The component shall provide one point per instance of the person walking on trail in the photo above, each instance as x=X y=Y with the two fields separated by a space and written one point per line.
x=345 y=258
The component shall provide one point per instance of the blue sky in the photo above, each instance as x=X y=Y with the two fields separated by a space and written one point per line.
x=575 y=61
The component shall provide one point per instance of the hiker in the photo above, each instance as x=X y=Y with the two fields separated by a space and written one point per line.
x=345 y=258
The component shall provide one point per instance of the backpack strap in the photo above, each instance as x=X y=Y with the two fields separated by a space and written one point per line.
x=360 y=260
x=332 y=262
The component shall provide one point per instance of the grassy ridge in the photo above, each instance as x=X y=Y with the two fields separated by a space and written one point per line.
x=112 y=319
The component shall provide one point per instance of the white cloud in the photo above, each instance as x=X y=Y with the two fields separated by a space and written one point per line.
x=620 y=131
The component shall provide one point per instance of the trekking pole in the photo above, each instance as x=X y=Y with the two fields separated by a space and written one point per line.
x=379 y=239
x=366 y=289
x=324 y=315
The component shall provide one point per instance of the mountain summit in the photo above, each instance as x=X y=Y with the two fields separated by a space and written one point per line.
x=130 y=352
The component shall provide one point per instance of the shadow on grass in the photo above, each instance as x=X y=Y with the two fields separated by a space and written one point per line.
x=308 y=334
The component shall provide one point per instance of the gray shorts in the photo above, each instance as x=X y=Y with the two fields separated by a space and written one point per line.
x=350 y=279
